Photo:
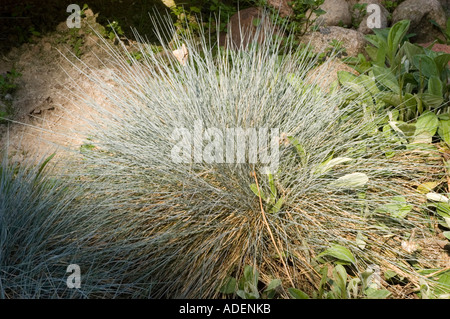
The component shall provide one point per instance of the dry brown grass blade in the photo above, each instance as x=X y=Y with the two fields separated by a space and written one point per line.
x=270 y=232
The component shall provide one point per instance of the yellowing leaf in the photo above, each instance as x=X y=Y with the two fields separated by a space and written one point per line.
x=427 y=187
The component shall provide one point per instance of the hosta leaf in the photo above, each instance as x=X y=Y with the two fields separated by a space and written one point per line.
x=361 y=240
x=229 y=286
x=276 y=208
x=435 y=197
x=427 y=187
x=435 y=86
x=426 y=126
x=444 y=129
x=425 y=65
x=297 y=293
x=431 y=100
x=388 y=274
x=447 y=234
x=273 y=284
x=339 y=252
x=443 y=209
x=386 y=78
x=378 y=294
x=257 y=192
x=398 y=208
x=350 y=181
x=329 y=164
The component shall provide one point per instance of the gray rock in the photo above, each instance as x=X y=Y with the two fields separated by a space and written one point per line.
x=420 y=12
x=353 y=41
x=337 y=12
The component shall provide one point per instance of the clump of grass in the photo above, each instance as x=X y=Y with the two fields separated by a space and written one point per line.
x=45 y=226
x=184 y=228
x=32 y=254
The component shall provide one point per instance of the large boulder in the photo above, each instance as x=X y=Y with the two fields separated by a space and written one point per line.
x=420 y=12
x=243 y=25
x=446 y=6
x=282 y=6
x=353 y=41
x=337 y=13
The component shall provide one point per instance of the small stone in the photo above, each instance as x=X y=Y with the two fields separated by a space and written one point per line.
x=337 y=14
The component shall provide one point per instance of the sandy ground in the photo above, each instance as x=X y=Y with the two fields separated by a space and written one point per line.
x=47 y=106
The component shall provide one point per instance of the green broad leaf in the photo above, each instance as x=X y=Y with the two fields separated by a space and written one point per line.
x=347 y=79
x=435 y=86
x=351 y=181
x=411 y=50
x=340 y=276
x=329 y=164
x=396 y=34
x=435 y=197
x=410 y=105
x=299 y=148
x=340 y=253
x=389 y=274
x=323 y=280
x=257 y=192
x=361 y=240
x=444 y=129
x=407 y=129
x=256 y=22
x=443 y=209
x=246 y=295
x=447 y=221
x=425 y=65
x=446 y=234
x=318 y=12
x=274 y=284
x=398 y=208
x=276 y=208
x=385 y=77
x=426 y=126
x=297 y=293
x=229 y=286
x=273 y=189
x=373 y=52
x=251 y=275
x=441 y=61
x=390 y=98
x=378 y=294
x=427 y=187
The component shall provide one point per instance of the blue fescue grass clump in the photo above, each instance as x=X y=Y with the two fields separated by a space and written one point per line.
x=180 y=229
x=45 y=226
x=33 y=229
